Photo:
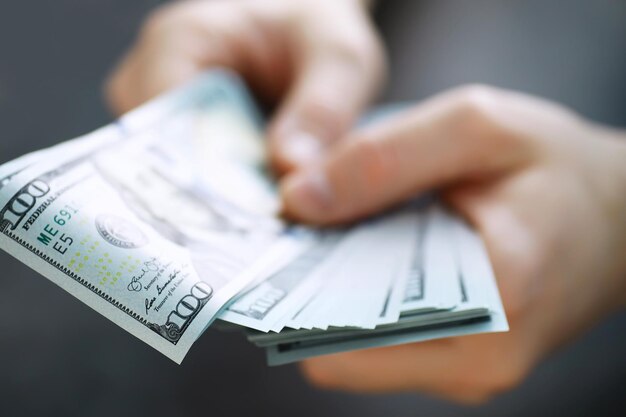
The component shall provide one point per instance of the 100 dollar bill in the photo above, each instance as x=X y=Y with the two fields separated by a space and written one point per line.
x=157 y=221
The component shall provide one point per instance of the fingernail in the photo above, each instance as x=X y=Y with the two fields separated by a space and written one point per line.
x=307 y=195
x=302 y=148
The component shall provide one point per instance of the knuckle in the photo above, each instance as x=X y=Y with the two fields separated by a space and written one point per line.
x=478 y=111
x=476 y=95
x=476 y=105
x=347 y=53
x=359 y=51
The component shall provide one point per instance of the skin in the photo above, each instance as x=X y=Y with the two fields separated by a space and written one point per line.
x=544 y=187
x=319 y=61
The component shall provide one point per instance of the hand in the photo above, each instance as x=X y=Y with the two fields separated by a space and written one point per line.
x=544 y=188
x=321 y=58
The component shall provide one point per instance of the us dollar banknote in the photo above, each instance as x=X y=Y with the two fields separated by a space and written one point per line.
x=168 y=219
x=478 y=308
x=156 y=221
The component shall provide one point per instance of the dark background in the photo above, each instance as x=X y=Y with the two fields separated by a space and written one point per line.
x=60 y=358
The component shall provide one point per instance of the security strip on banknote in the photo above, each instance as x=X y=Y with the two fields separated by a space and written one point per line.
x=167 y=220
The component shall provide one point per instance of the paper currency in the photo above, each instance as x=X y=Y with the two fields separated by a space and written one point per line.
x=479 y=310
x=167 y=220
x=144 y=237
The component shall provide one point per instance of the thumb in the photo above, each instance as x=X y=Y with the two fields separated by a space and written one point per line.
x=447 y=139
x=333 y=82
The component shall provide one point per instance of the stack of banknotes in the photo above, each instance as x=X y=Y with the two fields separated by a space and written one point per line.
x=167 y=220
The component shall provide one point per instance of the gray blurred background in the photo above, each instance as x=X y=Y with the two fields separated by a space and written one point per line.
x=60 y=358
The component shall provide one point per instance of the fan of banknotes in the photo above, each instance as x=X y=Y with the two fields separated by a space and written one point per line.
x=166 y=221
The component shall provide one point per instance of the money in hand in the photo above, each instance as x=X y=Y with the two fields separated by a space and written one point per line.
x=167 y=220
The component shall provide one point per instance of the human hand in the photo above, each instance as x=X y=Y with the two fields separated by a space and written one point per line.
x=544 y=188
x=321 y=58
